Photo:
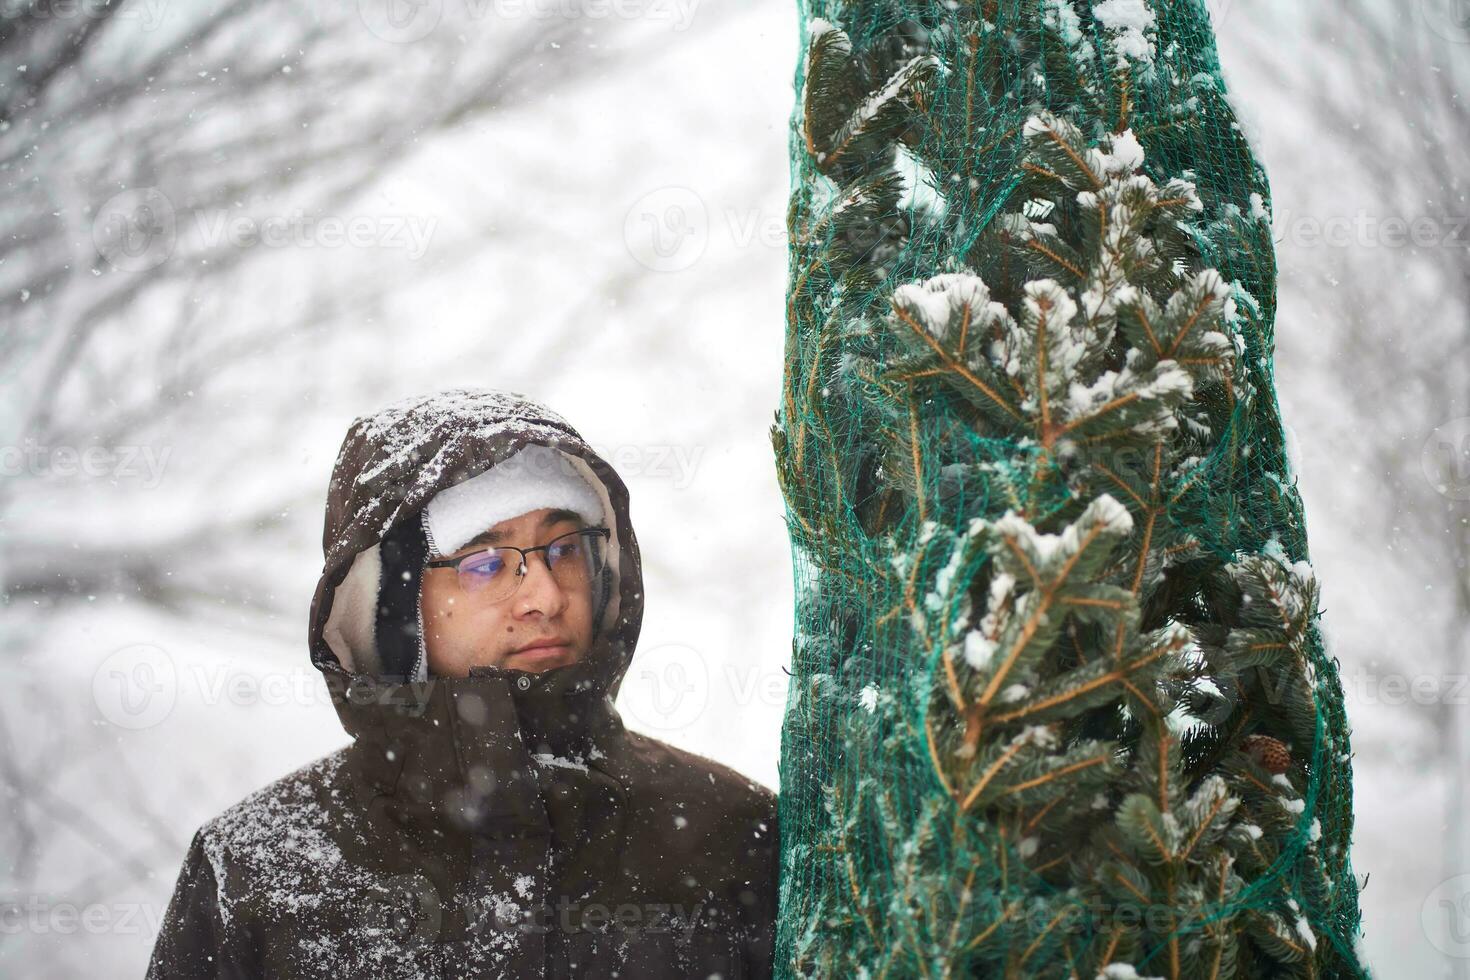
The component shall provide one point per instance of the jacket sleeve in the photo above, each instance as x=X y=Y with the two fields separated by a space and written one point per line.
x=193 y=942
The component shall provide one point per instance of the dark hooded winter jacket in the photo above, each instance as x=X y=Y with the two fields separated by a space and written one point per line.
x=503 y=824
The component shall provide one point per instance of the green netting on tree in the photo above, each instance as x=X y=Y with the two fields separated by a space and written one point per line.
x=1060 y=704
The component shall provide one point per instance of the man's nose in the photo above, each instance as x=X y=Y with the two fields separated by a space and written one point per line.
x=539 y=590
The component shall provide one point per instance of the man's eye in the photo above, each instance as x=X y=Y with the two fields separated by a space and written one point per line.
x=485 y=565
x=563 y=550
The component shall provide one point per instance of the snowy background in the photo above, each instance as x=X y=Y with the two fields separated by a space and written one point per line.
x=227 y=228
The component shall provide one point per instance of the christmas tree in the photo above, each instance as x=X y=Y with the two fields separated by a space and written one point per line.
x=1061 y=705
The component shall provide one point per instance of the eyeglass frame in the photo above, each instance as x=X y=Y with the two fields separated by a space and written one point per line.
x=524 y=565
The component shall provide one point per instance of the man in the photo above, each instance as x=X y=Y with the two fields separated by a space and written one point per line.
x=479 y=605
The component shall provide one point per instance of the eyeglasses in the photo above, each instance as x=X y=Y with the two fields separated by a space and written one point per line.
x=574 y=560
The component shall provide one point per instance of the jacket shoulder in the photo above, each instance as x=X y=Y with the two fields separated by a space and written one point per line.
x=681 y=796
x=264 y=853
x=293 y=804
x=281 y=844
x=666 y=765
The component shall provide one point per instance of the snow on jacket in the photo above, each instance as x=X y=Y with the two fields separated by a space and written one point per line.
x=504 y=824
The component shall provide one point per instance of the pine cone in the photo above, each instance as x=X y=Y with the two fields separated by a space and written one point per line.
x=1270 y=754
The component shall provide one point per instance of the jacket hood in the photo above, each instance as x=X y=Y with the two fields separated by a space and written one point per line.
x=391 y=463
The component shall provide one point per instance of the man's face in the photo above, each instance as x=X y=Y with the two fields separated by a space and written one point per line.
x=464 y=629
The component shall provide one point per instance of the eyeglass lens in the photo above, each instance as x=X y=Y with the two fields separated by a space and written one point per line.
x=574 y=560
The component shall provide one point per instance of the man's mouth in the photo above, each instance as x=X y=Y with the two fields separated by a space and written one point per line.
x=543 y=651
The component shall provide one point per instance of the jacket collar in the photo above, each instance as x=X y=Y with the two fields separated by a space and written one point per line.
x=469 y=755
